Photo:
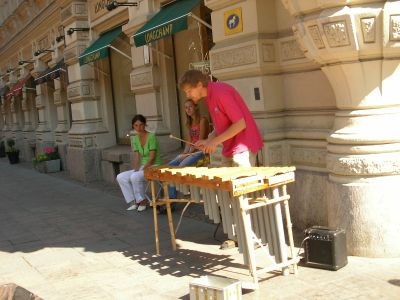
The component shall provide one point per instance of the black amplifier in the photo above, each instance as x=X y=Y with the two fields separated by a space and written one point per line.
x=325 y=248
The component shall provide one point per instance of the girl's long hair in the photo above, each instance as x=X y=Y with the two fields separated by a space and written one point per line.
x=189 y=119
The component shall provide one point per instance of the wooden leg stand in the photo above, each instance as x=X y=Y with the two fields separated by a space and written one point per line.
x=245 y=215
x=289 y=228
x=170 y=221
x=153 y=195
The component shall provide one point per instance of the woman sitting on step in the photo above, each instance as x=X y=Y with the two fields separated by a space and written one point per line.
x=146 y=153
x=198 y=129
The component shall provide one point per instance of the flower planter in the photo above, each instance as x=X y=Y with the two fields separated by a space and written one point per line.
x=13 y=157
x=49 y=166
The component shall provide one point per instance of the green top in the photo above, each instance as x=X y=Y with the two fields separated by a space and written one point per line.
x=144 y=151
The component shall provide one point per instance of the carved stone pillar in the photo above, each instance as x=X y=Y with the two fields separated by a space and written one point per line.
x=46 y=115
x=30 y=123
x=4 y=116
x=15 y=108
x=256 y=55
x=12 y=79
x=2 y=123
x=63 y=118
x=17 y=118
x=152 y=79
x=359 y=50
x=83 y=154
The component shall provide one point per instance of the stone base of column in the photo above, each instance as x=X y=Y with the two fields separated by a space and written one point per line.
x=62 y=150
x=29 y=145
x=84 y=164
x=27 y=152
x=368 y=209
x=308 y=205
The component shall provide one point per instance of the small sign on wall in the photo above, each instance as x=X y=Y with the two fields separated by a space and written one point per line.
x=233 y=22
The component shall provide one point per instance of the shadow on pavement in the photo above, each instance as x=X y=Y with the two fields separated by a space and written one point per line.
x=394 y=281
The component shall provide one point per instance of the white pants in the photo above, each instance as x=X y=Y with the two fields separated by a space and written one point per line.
x=133 y=185
x=244 y=159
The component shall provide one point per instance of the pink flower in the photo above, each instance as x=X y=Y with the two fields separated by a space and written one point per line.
x=49 y=150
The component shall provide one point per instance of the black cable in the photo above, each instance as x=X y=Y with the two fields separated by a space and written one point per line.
x=301 y=245
x=215 y=232
x=216 y=228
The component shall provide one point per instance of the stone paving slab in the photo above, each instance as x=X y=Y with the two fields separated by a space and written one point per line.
x=62 y=239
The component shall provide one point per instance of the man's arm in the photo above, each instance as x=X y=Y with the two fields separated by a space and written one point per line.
x=211 y=144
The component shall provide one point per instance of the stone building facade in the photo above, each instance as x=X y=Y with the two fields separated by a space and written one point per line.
x=319 y=77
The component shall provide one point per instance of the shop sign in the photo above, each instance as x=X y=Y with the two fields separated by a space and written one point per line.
x=97 y=8
x=158 y=33
x=203 y=66
x=233 y=22
x=92 y=57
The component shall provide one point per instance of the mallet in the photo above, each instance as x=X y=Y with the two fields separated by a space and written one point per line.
x=176 y=138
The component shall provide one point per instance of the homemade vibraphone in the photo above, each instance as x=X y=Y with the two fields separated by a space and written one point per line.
x=247 y=201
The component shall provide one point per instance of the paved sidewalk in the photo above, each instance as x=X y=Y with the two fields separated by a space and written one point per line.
x=61 y=239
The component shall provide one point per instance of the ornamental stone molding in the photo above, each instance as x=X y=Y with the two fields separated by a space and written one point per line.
x=381 y=164
x=82 y=90
x=145 y=79
x=230 y=58
x=268 y=52
x=71 y=54
x=349 y=42
x=357 y=45
x=364 y=30
x=303 y=7
x=219 y=4
x=21 y=15
x=290 y=50
x=74 y=11
x=40 y=101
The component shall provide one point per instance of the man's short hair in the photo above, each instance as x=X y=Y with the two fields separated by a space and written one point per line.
x=192 y=78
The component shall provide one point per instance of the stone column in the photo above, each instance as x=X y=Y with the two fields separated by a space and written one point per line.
x=63 y=117
x=83 y=153
x=44 y=106
x=261 y=58
x=46 y=115
x=1 y=117
x=4 y=113
x=30 y=123
x=2 y=108
x=358 y=46
x=16 y=115
x=153 y=81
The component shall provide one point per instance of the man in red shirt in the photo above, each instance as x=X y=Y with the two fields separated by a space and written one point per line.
x=234 y=125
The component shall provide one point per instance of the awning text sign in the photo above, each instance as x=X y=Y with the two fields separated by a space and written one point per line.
x=171 y=19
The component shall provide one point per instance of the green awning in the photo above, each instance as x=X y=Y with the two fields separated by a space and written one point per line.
x=171 y=19
x=99 y=49
x=52 y=73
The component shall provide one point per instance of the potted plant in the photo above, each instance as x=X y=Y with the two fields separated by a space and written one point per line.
x=48 y=161
x=2 y=149
x=12 y=152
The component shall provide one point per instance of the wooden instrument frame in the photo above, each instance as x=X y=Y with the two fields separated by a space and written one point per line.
x=238 y=182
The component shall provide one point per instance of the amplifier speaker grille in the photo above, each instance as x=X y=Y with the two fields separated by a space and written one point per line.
x=325 y=248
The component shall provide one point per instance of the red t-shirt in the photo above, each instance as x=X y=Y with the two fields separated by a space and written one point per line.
x=226 y=107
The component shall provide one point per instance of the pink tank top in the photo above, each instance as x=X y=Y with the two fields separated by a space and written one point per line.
x=194 y=133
